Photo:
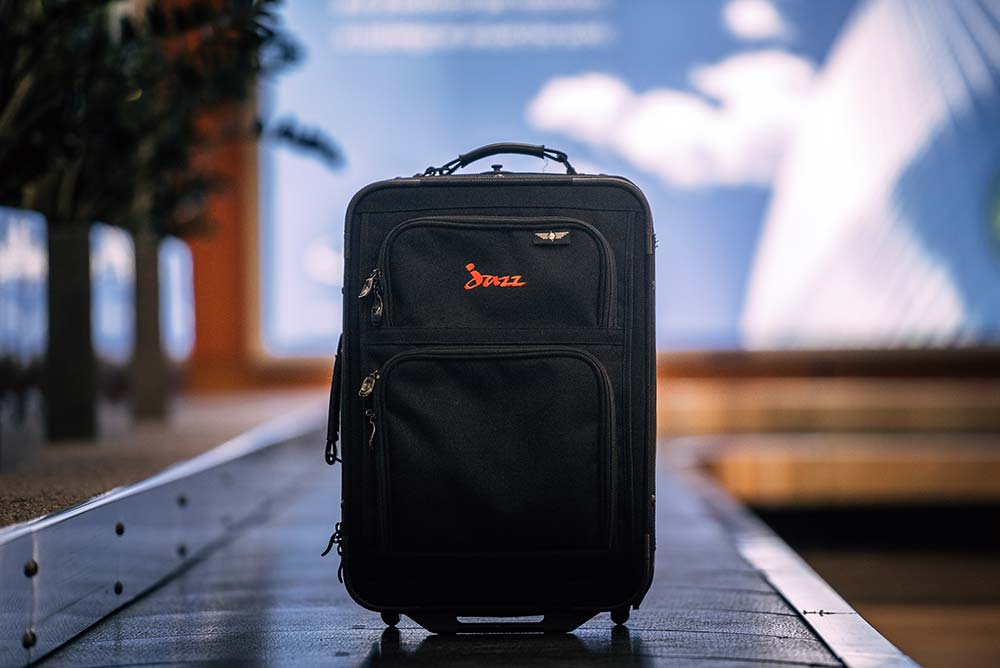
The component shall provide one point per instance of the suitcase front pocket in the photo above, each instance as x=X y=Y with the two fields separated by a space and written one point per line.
x=486 y=450
x=465 y=271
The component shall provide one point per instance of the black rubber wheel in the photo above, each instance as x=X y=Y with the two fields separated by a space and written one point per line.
x=392 y=618
x=620 y=615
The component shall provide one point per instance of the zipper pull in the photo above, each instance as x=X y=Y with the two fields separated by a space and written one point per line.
x=376 y=317
x=373 y=286
x=337 y=539
x=371 y=420
x=368 y=384
x=369 y=284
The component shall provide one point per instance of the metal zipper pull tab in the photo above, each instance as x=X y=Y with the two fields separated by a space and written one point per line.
x=368 y=384
x=376 y=317
x=369 y=284
x=373 y=286
x=371 y=420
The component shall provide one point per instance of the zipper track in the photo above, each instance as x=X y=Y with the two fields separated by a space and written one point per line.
x=502 y=222
x=499 y=352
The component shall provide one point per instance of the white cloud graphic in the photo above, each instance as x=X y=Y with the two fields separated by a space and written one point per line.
x=422 y=37
x=731 y=131
x=754 y=20
x=323 y=263
x=433 y=7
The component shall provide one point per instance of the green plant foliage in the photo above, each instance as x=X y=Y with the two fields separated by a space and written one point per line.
x=102 y=105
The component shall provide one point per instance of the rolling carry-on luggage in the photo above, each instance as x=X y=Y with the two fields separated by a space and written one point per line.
x=494 y=391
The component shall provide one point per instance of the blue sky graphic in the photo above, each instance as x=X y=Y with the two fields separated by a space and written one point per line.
x=394 y=113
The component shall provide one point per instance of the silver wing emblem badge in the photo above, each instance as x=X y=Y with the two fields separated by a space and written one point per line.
x=551 y=236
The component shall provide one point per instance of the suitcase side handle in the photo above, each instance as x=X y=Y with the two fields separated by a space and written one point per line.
x=536 y=150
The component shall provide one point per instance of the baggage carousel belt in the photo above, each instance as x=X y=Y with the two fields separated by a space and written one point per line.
x=265 y=597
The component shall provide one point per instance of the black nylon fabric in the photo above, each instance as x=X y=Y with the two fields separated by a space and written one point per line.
x=495 y=273
x=500 y=451
x=510 y=470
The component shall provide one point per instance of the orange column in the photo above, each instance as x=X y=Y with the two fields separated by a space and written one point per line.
x=220 y=358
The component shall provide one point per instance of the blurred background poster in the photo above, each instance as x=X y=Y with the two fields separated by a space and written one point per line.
x=822 y=174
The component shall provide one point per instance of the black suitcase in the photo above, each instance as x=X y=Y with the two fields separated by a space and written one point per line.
x=495 y=394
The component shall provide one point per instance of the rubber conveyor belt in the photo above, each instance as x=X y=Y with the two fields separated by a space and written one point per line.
x=265 y=597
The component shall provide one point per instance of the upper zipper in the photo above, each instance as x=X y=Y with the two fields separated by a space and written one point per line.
x=381 y=308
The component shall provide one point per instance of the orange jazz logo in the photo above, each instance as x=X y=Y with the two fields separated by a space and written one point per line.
x=486 y=280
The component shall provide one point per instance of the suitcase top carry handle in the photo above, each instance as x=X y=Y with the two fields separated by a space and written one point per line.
x=464 y=159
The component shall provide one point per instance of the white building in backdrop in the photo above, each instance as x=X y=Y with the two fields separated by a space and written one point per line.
x=883 y=229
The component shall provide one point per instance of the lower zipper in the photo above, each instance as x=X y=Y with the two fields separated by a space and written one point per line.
x=375 y=383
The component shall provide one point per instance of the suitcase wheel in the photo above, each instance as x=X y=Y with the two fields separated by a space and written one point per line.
x=392 y=618
x=619 y=615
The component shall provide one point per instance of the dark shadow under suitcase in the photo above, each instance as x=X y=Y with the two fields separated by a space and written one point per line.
x=495 y=396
